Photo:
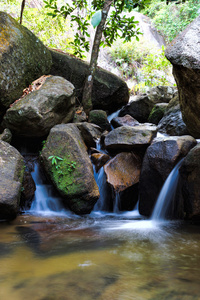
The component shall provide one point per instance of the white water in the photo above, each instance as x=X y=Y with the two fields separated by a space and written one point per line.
x=167 y=194
x=45 y=201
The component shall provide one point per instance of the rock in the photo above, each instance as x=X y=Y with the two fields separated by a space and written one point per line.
x=35 y=114
x=161 y=94
x=80 y=116
x=6 y=136
x=28 y=191
x=190 y=182
x=184 y=54
x=68 y=166
x=157 y=113
x=122 y=173
x=23 y=58
x=126 y=138
x=90 y=133
x=11 y=177
x=172 y=122
x=160 y=158
x=109 y=91
x=139 y=108
x=123 y=121
x=99 y=117
x=99 y=160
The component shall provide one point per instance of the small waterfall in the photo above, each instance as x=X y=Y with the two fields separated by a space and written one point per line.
x=167 y=194
x=100 y=178
x=45 y=200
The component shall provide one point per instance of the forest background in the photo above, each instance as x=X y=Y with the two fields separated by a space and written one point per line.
x=140 y=63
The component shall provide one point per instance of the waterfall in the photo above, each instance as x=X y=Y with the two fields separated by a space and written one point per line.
x=45 y=201
x=167 y=194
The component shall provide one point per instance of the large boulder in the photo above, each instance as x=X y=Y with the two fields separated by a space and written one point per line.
x=184 y=54
x=123 y=121
x=160 y=158
x=109 y=91
x=23 y=58
x=172 y=121
x=127 y=138
x=36 y=113
x=122 y=174
x=11 y=177
x=190 y=183
x=68 y=166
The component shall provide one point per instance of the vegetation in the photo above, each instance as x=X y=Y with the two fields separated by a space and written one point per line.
x=172 y=18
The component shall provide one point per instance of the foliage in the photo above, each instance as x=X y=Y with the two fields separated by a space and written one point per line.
x=69 y=165
x=142 y=62
x=117 y=24
x=172 y=18
x=54 y=34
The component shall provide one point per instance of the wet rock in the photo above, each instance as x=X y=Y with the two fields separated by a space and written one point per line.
x=126 y=138
x=184 y=54
x=90 y=133
x=35 y=114
x=109 y=91
x=122 y=173
x=72 y=173
x=139 y=108
x=6 y=135
x=190 y=182
x=23 y=58
x=11 y=177
x=28 y=191
x=172 y=122
x=99 y=117
x=157 y=113
x=160 y=158
x=99 y=160
x=127 y=120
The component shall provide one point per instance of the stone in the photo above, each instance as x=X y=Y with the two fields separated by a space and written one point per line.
x=99 y=160
x=172 y=121
x=162 y=94
x=91 y=133
x=122 y=173
x=123 y=121
x=28 y=191
x=36 y=113
x=184 y=54
x=190 y=183
x=67 y=165
x=109 y=91
x=159 y=160
x=127 y=138
x=11 y=177
x=139 y=108
x=99 y=117
x=23 y=58
x=6 y=135
x=157 y=113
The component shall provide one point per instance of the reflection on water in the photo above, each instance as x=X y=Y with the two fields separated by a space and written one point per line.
x=104 y=258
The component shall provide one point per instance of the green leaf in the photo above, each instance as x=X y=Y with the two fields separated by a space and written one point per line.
x=96 y=18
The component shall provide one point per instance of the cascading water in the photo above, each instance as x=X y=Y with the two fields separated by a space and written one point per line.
x=45 y=201
x=167 y=194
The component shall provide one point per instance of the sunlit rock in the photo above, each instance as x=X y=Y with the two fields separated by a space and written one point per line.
x=36 y=113
x=184 y=54
x=23 y=58
x=127 y=120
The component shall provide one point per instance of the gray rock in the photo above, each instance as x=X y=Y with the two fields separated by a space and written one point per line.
x=90 y=133
x=184 y=54
x=172 y=121
x=157 y=113
x=162 y=94
x=99 y=117
x=127 y=138
x=35 y=114
x=6 y=135
x=160 y=158
x=23 y=58
x=127 y=120
x=72 y=174
x=109 y=91
x=11 y=177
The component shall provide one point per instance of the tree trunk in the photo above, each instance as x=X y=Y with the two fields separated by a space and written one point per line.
x=22 y=9
x=87 y=91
